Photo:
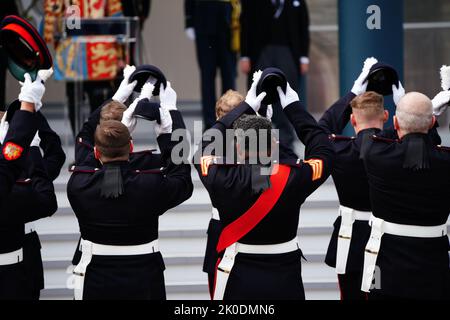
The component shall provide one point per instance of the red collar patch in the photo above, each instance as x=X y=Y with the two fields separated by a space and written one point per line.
x=12 y=151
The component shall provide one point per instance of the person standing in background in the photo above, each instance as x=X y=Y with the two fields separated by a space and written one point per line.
x=7 y=7
x=140 y=9
x=275 y=33
x=214 y=25
x=137 y=8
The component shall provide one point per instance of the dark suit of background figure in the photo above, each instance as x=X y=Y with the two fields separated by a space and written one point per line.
x=7 y=7
x=211 y=21
x=140 y=9
x=276 y=34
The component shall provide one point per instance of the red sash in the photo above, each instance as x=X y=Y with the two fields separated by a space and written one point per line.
x=250 y=219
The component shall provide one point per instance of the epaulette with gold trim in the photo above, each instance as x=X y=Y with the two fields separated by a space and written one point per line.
x=334 y=137
x=443 y=148
x=383 y=139
x=207 y=161
x=82 y=169
x=317 y=168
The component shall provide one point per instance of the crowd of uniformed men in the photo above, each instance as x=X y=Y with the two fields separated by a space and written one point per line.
x=390 y=236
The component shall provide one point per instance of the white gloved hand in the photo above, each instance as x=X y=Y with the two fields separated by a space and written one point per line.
x=36 y=140
x=190 y=33
x=128 y=118
x=441 y=102
x=398 y=93
x=251 y=99
x=146 y=91
x=289 y=97
x=32 y=92
x=168 y=97
x=125 y=89
x=360 y=85
x=45 y=74
x=4 y=126
x=166 y=122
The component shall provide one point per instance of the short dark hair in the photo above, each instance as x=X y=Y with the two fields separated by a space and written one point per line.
x=113 y=110
x=250 y=127
x=112 y=139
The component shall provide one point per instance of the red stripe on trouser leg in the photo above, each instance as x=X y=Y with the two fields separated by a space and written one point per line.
x=340 y=289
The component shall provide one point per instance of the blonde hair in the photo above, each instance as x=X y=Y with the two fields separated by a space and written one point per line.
x=369 y=106
x=230 y=100
x=113 y=110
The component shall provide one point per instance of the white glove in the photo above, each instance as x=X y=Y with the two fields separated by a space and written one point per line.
x=166 y=122
x=360 y=85
x=190 y=33
x=45 y=74
x=4 y=126
x=441 y=102
x=289 y=97
x=168 y=97
x=146 y=91
x=32 y=92
x=36 y=140
x=251 y=99
x=128 y=118
x=125 y=89
x=398 y=93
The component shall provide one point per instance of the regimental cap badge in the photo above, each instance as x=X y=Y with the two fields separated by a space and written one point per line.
x=12 y=151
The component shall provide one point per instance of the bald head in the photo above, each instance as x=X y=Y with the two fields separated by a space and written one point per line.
x=414 y=114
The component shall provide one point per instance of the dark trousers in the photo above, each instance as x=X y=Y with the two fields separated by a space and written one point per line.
x=266 y=277
x=3 y=68
x=213 y=52
x=14 y=282
x=32 y=259
x=139 y=277
x=280 y=57
x=211 y=255
x=96 y=91
x=350 y=286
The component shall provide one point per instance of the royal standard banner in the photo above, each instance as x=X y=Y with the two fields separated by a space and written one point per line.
x=88 y=58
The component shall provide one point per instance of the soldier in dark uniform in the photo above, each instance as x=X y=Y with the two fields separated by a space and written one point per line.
x=351 y=228
x=114 y=109
x=208 y=22
x=260 y=217
x=32 y=193
x=407 y=253
x=53 y=159
x=230 y=100
x=118 y=206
